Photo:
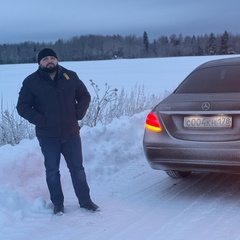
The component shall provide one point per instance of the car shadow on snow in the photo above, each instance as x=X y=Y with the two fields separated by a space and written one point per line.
x=206 y=185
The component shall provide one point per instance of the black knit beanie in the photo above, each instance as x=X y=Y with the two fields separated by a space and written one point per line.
x=46 y=52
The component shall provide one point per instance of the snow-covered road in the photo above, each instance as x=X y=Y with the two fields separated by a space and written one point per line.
x=136 y=203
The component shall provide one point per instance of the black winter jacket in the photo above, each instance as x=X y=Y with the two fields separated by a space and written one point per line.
x=54 y=107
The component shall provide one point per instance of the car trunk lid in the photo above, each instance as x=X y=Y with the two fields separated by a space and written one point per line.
x=201 y=117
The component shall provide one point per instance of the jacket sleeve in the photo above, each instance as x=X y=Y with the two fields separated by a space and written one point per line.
x=25 y=107
x=83 y=99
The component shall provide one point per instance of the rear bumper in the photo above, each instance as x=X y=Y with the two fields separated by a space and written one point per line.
x=221 y=158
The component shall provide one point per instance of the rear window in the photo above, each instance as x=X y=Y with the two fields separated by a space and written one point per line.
x=212 y=80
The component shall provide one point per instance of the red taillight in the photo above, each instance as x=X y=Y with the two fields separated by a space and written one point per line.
x=152 y=123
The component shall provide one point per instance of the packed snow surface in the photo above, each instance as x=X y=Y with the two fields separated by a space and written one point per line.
x=136 y=201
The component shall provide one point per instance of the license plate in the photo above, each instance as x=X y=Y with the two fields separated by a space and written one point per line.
x=220 y=121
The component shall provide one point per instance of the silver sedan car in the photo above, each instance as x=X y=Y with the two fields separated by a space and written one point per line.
x=197 y=127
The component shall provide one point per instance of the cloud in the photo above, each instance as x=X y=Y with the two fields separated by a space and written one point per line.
x=50 y=20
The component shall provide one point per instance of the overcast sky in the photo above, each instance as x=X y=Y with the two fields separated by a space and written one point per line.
x=50 y=20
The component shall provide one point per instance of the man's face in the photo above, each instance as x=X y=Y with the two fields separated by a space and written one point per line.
x=49 y=63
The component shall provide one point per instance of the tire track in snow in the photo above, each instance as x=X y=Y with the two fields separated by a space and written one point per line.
x=208 y=210
x=180 y=207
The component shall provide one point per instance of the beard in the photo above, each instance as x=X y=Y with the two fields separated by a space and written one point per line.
x=50 y=68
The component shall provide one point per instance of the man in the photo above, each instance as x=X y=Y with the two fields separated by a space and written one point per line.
x=54 y=99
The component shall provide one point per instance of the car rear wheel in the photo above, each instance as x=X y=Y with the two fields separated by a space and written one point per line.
x=178 y=174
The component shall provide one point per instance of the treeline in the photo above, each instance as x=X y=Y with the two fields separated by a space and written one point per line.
x=98 y=47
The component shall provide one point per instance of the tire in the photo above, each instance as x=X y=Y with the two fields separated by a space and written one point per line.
x=178 y=174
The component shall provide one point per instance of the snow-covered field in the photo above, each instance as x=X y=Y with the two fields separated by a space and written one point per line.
x=136 y=202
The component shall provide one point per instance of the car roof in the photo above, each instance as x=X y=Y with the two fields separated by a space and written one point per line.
x=220 y=62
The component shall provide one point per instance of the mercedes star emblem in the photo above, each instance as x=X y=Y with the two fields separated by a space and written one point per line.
x=205 y=106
